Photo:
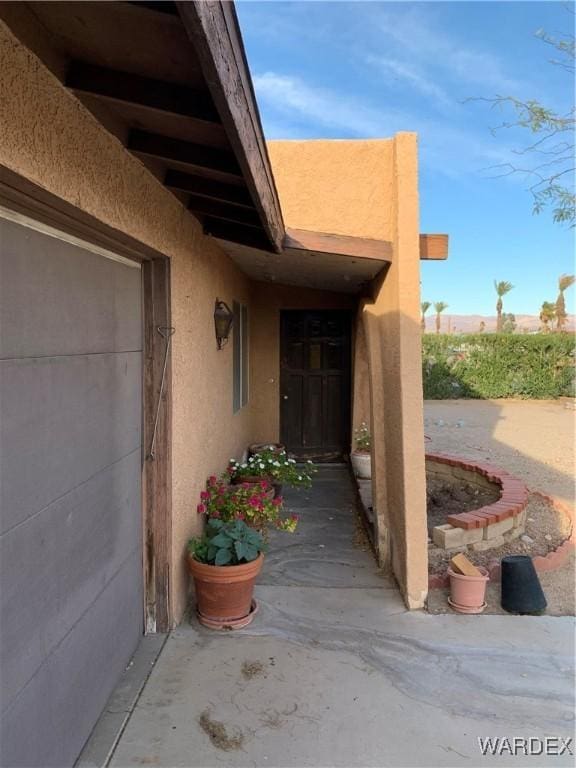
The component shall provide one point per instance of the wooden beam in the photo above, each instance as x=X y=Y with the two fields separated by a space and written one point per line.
x=236 y=233
x=166 y=148
x=322 y=242
x=160 y=6
x=214 y=190
x=433 y=247
x=135 y=89
x=222 y=210
x=157 y=468
x=213 y=29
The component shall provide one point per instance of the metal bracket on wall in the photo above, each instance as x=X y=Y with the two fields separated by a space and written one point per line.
x=166 y=332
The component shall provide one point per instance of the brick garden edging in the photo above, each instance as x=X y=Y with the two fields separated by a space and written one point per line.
x=513 y=494
x=550 y=562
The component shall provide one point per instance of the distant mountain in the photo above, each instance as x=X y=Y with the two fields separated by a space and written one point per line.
x=471 y=323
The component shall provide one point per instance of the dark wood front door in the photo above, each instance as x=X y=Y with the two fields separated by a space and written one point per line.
x=315 y=383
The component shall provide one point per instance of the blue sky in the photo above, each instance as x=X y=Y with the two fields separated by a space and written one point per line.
x=369 y=69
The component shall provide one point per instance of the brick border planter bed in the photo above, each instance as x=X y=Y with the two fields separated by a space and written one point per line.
x=510 y=506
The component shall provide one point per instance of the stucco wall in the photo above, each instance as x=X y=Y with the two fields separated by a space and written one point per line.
x=343 y=187
x=392 y=324
x=48 y=137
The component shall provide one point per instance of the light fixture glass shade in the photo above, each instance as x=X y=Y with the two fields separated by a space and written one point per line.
x=223 y=319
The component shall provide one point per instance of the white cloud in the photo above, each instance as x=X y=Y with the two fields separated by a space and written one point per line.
x=293 y=97
x=410 y=75
x=292 y=108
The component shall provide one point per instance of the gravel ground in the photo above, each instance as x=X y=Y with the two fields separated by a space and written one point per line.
x=546 y=527
x=558 y=587
x=533 y=440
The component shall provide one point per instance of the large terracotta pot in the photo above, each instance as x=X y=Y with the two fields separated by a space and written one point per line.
x=224 y=592
x=467 y=593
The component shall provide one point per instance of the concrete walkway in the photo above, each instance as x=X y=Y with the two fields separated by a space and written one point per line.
x=335 y=672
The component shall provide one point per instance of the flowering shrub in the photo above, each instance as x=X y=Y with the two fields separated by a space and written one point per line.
x=273 y=466
x=230 y=543
x=248 y=502
x=363 y=438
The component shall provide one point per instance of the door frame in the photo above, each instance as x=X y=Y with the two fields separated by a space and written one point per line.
x=347 y=313
x=28 y=199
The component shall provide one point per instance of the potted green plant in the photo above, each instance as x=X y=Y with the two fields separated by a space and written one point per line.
x=225 y=562
x=251 y=503
x=274 y=466
x=361 y=458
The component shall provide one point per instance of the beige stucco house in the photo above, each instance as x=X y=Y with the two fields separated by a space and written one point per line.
x=136 y=191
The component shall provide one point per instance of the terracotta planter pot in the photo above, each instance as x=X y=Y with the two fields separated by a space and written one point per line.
x=257 y=447
x=468 y=593
x=361 y=464
x=224 y=592
x=275 y=489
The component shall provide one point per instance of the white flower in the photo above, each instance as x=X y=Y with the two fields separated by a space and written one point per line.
x=299 y=477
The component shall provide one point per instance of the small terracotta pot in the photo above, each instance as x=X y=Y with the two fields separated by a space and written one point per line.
x=274 y=490
x=224 y=592
x=468 y=593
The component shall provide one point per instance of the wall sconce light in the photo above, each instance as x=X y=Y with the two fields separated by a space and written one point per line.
x=223 y=320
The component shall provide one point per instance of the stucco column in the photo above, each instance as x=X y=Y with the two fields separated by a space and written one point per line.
x=394 y=344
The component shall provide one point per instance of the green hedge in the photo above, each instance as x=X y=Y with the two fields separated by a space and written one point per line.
x=498 y=365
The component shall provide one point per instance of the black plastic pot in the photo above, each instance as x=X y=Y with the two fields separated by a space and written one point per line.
x=521 y=589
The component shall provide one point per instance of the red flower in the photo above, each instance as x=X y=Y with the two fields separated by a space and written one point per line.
x=201 y=509
x=204 y=495
x=216 y=513
x=212 y=480
x=254 y=501
x=264 y=484
x=277 y=501
x=295 y=517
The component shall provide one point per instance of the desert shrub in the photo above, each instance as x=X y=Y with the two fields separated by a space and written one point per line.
x=485 y=366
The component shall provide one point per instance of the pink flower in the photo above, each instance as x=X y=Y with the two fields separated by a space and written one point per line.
x=240 y=516
x=204 y=495
x=201 y=509
x=295 y=518
x=253 y=501
x=216 y=513
x=230 y=470
x=277 y=501
x=264 y=484
x=212 y=480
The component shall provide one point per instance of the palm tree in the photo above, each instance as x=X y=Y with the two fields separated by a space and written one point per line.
x=564 y=281
x=439 y=306
x=547 y=315
x=502 y=289
x=425 y=306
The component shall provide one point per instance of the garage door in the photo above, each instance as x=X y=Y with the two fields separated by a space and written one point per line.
x=71 y=521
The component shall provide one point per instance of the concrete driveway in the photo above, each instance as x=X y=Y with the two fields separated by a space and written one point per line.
x=335 y=672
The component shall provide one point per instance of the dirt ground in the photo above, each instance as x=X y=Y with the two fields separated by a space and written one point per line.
x=558 y=587
x=533 y=440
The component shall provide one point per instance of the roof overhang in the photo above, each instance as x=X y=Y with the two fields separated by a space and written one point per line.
x=171 y=81
x=316 y=260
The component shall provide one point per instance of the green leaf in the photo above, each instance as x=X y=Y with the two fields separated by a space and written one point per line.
x=250 y=553
x=223 y=557
x=221 y=540
x=240 y=549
